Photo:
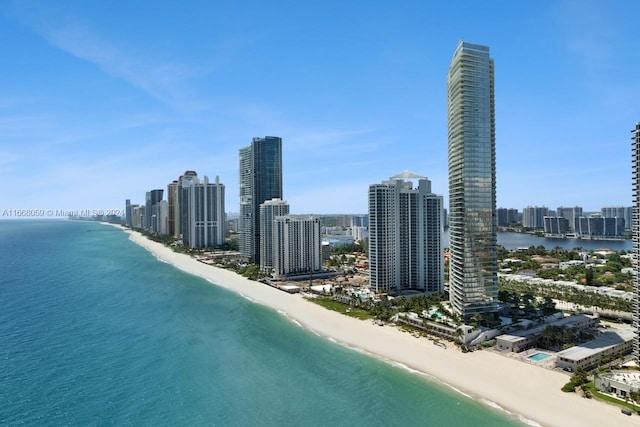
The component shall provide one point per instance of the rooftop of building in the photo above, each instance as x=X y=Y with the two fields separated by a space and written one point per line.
x=602 y=342
x=631 y=378
x=566 y=321
x=406 y=174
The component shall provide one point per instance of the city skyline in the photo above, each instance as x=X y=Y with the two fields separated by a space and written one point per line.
x=90 y=107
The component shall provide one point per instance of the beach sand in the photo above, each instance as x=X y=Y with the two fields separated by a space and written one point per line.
x=528 y=392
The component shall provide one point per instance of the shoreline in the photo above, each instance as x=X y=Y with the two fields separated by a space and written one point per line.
x=484 y=376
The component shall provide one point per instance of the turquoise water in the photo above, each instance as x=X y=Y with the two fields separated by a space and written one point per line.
x=539 y=356
x=96 y=331
x=436 y=312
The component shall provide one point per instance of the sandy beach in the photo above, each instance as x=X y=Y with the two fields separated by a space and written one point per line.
x=528 y=392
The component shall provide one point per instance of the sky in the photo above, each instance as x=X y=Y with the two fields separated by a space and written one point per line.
x=103 y=101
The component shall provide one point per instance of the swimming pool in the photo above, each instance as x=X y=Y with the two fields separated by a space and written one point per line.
x=536 y=357
x=436 y=312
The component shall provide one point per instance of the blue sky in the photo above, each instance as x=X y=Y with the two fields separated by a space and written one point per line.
x=102 y=101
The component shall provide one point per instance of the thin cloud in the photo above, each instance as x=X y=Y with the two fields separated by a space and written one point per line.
x=162 y=80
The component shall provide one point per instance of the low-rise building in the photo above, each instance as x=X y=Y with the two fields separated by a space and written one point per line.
x=434 y=328
x=522 y=340
x=572 y=263
x=618 y=383
x=589 y=354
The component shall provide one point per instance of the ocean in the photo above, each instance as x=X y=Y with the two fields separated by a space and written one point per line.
x=94 y=330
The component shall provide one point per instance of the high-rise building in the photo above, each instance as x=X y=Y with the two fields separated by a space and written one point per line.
x=595 y=225
x=202 y=216
x=128 y=212
x=296 y=245
x=178 y=208
x=635 y=230
x=147 y=210
x=507 y=216
x=137 y=220
x=360 y=234
x=628 y=217
x=570 y=214
x=161 y=221
x=621 y=214
x=260 y=180
x=269 y=211
x=173 y=212
x=473 y=273
x=152 y=198
x=406 y=228
x=556 y=225
x=359 y=221
x=612 y=212
x=533 y=216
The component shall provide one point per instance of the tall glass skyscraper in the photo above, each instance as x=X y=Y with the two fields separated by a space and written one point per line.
x=473 y=277
x=260 y=180
x=635 y=230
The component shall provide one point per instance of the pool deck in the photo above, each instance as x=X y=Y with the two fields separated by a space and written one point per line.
x=548 y=362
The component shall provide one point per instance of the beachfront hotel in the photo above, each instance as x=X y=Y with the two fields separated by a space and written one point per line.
x=260 y=180
x=174 y=205
x=269 y=211
x=297 y=246
x=636 y=235
x=473 y=279
x=405 y=235
x=202 y=213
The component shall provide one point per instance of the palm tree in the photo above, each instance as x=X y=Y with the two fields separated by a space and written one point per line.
x=476 y=318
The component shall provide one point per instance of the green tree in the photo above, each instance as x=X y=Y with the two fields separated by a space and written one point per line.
x=547 y=305
x=589 y=276
x=634 y=395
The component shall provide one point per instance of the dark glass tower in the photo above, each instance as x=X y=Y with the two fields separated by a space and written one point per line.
x=260 y=180
x=473 y=279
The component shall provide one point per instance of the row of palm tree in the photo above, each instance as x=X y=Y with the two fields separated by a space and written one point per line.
x=556 y=338
x=566 y=293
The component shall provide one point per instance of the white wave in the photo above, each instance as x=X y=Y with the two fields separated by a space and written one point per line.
x=493 y=405
x=294 y=321
x=528 y=422
x=245 y=297
x=520 y=417
x=405 y=367
x=457 y=390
